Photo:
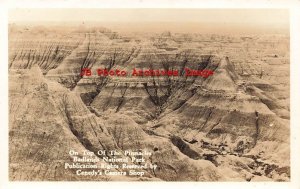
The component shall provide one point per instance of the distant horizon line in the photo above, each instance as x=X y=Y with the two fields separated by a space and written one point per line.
x=160 y=26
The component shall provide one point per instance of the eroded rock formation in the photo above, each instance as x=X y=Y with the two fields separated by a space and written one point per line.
x=233 y=125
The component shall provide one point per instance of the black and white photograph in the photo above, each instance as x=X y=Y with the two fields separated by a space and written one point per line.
x=149 y=94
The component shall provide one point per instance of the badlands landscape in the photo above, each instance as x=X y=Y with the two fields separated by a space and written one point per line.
x=231 y=126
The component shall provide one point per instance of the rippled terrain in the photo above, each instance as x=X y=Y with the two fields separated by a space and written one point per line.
x=231 y=126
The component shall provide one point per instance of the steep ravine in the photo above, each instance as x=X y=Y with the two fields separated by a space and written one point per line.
x=224 y=127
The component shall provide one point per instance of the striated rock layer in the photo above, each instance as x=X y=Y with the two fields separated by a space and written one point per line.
x=230 y=126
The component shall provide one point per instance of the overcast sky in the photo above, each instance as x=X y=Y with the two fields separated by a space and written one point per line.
x=273 y=16
x=265 y=18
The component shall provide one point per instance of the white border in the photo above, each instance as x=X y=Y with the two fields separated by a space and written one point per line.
x=293 y=6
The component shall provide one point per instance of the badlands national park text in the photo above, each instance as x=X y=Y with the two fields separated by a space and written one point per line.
x=149 y=95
